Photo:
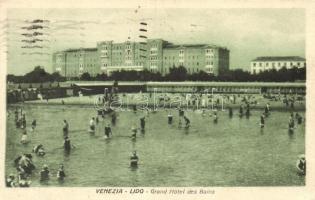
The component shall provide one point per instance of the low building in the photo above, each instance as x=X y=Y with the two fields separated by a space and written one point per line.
x=261 y=64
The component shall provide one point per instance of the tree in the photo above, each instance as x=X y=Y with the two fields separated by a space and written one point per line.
x=177 y=74
x=85 y=76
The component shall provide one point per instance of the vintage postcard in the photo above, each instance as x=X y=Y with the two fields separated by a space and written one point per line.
x=157 y=100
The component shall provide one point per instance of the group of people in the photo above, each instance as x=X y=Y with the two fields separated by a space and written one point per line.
x=24 y=163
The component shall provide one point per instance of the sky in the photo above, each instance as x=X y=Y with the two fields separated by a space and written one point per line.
x=247 y=33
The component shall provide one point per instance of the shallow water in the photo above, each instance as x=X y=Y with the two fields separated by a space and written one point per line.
x=233 y=152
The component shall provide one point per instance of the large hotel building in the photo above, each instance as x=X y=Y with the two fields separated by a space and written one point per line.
x=155 y=55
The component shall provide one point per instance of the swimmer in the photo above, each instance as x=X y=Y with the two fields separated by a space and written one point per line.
x=65 y=128
x=96 y=120
x=170 y=118
x=10 y=182
x=23 y=122
x=67 y=144
x=44 y=173
x=134 y=132
x=92 y=125
x=267 y=110
x=215 y=120
x=24 y=139
x=262 y=121
x=291 y=123
x=134 y=159
x=298 y=118
x=23 y=182
x=39 y=150
x=108 y=132
x=142 y=123
x=61 y=173
x=187 y=121
x=241 y=111
x=33 y=125
x=301 y=165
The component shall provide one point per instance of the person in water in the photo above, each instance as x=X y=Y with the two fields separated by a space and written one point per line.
x=97 y=120
x=33 y=124
x=134 y=159
x=187 y=122
x=24 y=139
x=44 y=173
x=61 y=173
x=301 y=165
x=247 y=112
x=241 y=111
x=134 y=131
x=23 y=125
x=23 y=182
x=39 y=150
x=215 y=119
x=291 y=123
x=170 y=118
x=262 y=120
x=142 y=123
x=298 y=118
x=67 y=144
x=267 y=110
x=65 y=128
x=10 y=181
x=92 y=125
x=24 y=163
x=108 y=131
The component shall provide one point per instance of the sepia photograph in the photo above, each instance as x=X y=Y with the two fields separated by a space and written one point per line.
x=155 y=97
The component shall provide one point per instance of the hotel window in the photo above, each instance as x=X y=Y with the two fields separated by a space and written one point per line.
x=254 y=64
x=298 y=64
x=260 y=64
x=181 y=52
x=267 y=64
x=273 y=64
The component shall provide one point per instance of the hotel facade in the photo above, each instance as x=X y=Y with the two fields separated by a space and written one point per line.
x=261 y=64
x=155 y=55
